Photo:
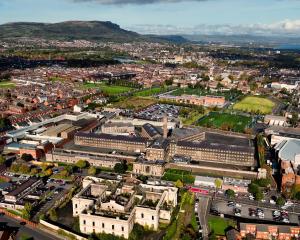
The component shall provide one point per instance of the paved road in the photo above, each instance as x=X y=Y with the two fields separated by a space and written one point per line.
x=37 y=234
x=203 y=210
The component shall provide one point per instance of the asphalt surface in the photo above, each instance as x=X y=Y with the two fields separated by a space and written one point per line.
x=202 y=211
x=55 y=197
x=36 y=233
x=222 y=207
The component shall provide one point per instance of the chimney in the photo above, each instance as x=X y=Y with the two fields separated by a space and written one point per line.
x=165 y=126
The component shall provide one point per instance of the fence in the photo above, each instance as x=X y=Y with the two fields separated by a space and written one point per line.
x=32 y=224
x=61 y=230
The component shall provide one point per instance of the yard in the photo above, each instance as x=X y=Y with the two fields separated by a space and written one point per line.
x=225 y=121
x=218 y=225
x=6 y=84
x=254 y=104
x=108 y=89
x=174 y=175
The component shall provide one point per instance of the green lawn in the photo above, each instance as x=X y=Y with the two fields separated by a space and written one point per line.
x=6 y=84
x=174 y=175
x=149 y=92
x=191 y=118
x=219 y=225
x=134 y=103
x=108 y=89
x=254 y=104
x=225 y=121
x=229 y=95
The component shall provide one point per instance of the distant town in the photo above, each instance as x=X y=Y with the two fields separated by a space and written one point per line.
x=148 y=140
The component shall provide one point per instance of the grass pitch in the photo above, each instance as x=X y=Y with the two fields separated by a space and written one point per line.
x=6 y=84
x=225 y=121
x=254 y=104
x=108 y=89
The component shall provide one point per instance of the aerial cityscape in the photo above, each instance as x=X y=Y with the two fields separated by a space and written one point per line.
x=149 y=120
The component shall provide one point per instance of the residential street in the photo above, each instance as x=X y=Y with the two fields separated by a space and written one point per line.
x=203 y=210
x=36 y=233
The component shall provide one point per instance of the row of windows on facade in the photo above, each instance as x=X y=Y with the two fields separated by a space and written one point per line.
x=103 y=225
x=88 y=140
x=113 y=226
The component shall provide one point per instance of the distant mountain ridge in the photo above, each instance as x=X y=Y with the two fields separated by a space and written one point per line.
x=70 y=30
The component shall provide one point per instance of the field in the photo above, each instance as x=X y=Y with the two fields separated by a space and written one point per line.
x=253 y=104
x=174 y=175
x=229 y=95
x=219 y=225
x=225 y=121
x=134 y=103
x=149 y=92
x=6 y=84
x=108 y=89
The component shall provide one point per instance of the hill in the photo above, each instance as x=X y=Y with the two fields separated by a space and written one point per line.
x=70 y=30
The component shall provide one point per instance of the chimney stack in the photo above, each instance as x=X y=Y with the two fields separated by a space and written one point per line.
x=165 y=126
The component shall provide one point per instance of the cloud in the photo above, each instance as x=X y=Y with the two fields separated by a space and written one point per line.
x=137 y=2
x=287 y=27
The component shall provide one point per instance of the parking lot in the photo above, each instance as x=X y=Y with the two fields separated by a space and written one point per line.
x=57 y=189
x=252 y=212
x=158 y=111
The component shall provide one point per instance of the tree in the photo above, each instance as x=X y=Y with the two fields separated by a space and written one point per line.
x=15 y=167
x=53 y=215
x=69 y=169
x=218 y=183
x=24 y=168
x=179 y=184
x=92 y=171
x=295 y=119
x=230 y=193
x=120 y=167
x=169 y=82
x=81 y=164
x=259 y=195
x=44 y=167
x=137 y=232
x=5 y=123
x=2 y=159
x=48 y=172
x=27 y=210
x=263 y=182
x=280 y=201
x=253 y=188
x=26 y=157
x=34 y=171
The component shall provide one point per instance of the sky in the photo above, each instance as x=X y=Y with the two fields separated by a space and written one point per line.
x=261 y=17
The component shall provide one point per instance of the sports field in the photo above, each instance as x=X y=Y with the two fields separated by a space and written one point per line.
x=225 y=121
x=6 y=84
x=149 y=92
x=108 y=89
x=254 y=104
x=229 y=95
